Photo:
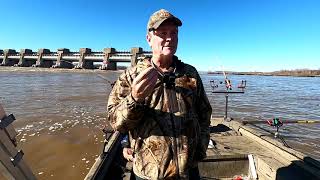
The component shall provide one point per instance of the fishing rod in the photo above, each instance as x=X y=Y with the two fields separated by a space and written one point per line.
x=284 y=122
x=228 y=90
x=106 y=79
x=276 y=135
x=277 y=123
x=227 y=81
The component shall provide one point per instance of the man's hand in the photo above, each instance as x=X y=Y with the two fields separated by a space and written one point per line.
x=128 y=154
x=144 y=83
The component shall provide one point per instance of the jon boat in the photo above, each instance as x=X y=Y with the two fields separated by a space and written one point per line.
x=236 y=151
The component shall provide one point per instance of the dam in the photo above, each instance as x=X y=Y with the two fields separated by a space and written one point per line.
x=64 y=58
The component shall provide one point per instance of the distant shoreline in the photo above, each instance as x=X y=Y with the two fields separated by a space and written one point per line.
x=295 y=73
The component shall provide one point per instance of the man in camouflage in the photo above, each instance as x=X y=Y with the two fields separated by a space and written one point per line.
x=161 y=102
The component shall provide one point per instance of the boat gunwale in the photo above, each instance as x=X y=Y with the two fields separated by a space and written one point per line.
x=105 y=159
x=307 y=163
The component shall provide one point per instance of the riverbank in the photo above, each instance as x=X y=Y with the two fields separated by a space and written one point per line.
x=295 y=73
x=58 y=70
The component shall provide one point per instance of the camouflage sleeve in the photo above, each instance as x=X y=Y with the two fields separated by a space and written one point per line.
x=124 y=113
x=204 y=111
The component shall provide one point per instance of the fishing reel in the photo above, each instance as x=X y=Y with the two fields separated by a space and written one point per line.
x=227 y=83
x=215 y=84
x=242 y=85
x=169 y=79
x=275 y=122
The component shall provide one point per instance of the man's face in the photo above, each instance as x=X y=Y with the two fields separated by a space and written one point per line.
x=164 y=40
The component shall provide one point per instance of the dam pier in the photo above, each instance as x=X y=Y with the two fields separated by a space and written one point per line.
x=64 y=58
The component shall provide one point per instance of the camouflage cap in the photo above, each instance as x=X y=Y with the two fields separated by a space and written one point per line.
x=157 y=18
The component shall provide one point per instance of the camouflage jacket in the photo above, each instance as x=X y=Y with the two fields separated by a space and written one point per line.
x=169 y=133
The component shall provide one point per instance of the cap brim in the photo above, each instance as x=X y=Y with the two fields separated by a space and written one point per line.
x=173 y=19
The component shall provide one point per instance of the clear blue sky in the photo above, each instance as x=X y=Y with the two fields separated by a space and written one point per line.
x=238 y=35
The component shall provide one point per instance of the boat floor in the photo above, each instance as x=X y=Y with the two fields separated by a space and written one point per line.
x=270 y=162
x=229 y=142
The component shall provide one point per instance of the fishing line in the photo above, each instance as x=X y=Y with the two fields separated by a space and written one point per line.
x=281 y=138
x=106 y=79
